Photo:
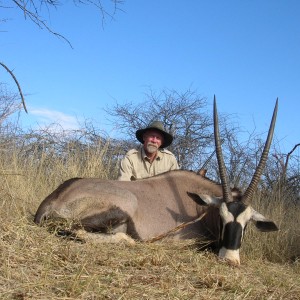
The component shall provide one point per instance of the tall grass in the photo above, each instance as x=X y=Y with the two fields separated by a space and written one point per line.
x=35 y=264
x=282 y=246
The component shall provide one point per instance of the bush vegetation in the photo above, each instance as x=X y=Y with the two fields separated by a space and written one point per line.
x=36 y=264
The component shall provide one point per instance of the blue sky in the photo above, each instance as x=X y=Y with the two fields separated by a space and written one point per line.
x=246 y=52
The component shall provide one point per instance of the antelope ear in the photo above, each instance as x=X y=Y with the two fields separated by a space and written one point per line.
x=262 y=223
x=205 y=200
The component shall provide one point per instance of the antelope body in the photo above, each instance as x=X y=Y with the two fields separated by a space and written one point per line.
x=147 y=208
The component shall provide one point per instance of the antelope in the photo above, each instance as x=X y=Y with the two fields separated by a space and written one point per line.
x=149 y=208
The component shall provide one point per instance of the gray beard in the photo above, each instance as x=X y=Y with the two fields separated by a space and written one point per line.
x=151 y=148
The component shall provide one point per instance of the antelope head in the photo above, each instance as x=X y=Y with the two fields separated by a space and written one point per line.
x=235 y=207
x=237 y=212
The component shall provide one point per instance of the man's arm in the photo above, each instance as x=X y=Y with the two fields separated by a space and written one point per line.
x=172 y=161
x=125 y=170
x=175 y=165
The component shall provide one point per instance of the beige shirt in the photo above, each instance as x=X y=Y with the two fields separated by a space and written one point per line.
x=136 y=165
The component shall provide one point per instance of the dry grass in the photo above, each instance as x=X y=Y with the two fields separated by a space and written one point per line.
x=35 y=264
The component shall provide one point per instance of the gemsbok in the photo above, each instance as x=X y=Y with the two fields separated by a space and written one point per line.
x=145 y=209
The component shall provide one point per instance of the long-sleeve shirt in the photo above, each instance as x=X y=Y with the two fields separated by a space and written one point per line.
x=136 y=164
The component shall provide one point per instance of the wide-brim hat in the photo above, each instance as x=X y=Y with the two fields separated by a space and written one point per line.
x=158 y=126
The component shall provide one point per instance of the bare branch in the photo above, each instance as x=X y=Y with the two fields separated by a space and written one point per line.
x=35 y=17
x=289 y=154
x=17 y=83
x=32 y=8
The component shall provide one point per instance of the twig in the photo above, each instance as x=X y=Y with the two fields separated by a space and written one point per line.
x=17 y=83
x=179 y=227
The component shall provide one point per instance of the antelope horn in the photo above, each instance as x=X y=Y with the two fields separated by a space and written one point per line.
x=260 y=167
x=222 y=169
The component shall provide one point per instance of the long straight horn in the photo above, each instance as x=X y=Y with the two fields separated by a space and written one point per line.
x=258 y=172
x=222 y=169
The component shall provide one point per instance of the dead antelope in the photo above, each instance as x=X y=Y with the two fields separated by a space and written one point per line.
x=148 y=208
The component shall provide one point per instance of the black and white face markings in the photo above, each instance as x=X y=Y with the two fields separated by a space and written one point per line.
x=234 y=216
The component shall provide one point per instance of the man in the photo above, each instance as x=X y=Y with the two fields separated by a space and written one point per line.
x=151 y=158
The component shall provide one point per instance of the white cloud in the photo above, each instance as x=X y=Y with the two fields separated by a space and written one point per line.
x=46 y=117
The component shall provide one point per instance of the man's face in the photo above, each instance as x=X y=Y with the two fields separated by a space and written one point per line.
x=152 y=140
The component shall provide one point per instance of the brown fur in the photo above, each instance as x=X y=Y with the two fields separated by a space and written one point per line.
x=147 y=207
